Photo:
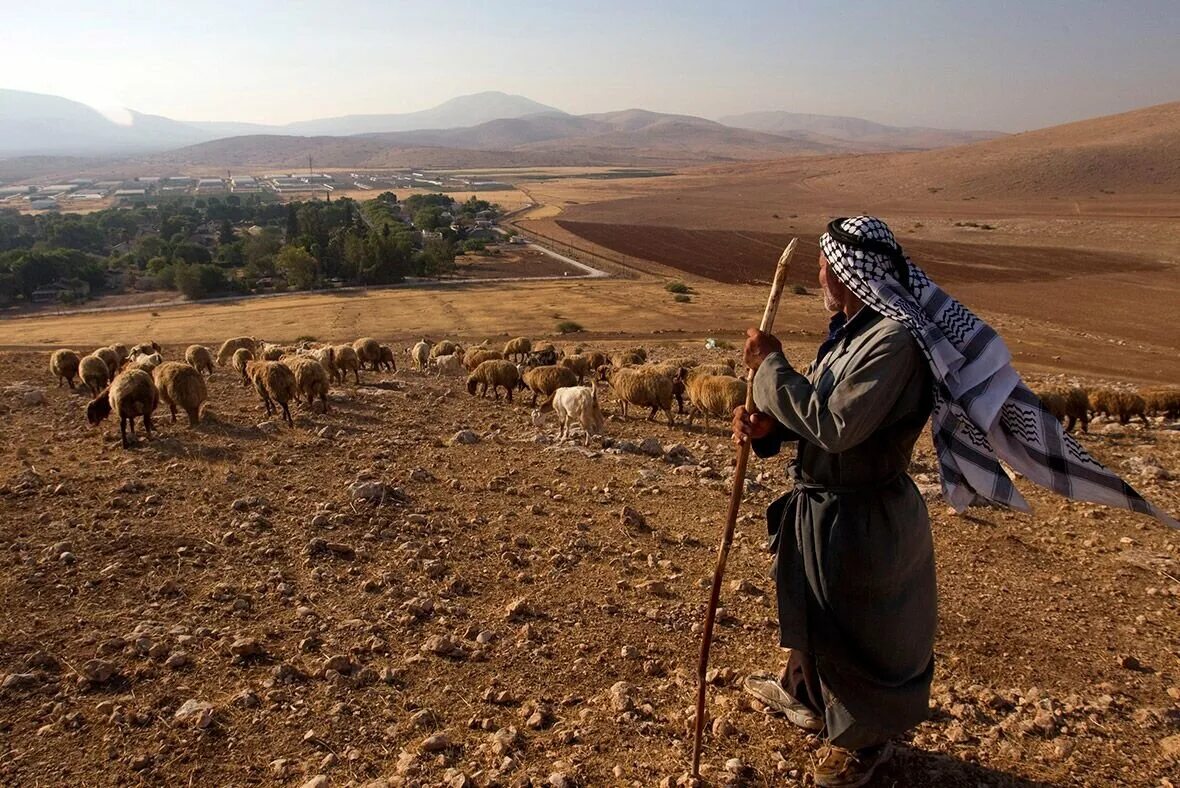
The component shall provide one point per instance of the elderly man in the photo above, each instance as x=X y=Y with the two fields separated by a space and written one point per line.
x=853 y=556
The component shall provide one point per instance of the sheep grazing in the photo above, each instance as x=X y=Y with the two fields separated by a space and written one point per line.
x=146 y=363
x=144 y=349
x=627 y=359
x=230 y=346
x=596 y=358
x=274 y=382
x=445 y=348
x=387 y=361
x=311 y=379
x=714 y=395
x=181 y=385
x=543 y=356
x=494 y=373
x=110 y=357
x=543 y=381
x=1121 y=404
x=94 y=373
x=269 y=352
x=1162 y=402
x=200 y=357
x=473 y=358
x=579 y=364
x=63 y=365
x=677 y=374
x=688 y=362
x=1067 y=403
x=448 y=365
x=420 y=355
x=644 y=389
x=368 y=350
x=518 y=348
x=131 y=394
x=578 y=404
x=710 y=369
x=121 y=351
x=346 y=360
x=242 y=356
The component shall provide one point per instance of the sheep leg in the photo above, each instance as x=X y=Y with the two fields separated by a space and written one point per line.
x=147 y=424
x=671 y=418
x=652 y=416
x=357 y=372
x=123 y=430
x=509 y=390
x=287 y=414
x=324 y=401
x=1143 y=417
x=194 y=417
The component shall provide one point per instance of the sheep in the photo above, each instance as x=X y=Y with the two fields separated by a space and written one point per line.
x=546 y=380
x=63 y=364
x=445 y=348
x=274 y=382
x=1162 y=402
x=121 y=351
x=200 y=357
x=1122 y=404
x=420 y=355
x=181 y=385
x=542 y=356
x=710 y=369
x=518 y=348
x=448 y=365
x=644 y=389
x=111 y=358
x=346 y=360
x=627 y=359
x=146 y=363
x=269 y=352
x=368 y=350
x=94 y=373
x=580 y=404
x=596 y=358
x=144 y=349
x=688 y=362
x=714 y=395
x=638 y=351
x=578 y=364
x=494 y=373
x=327 y=358
x=242 y=356
x=473 y=358
x=230 y=346
x=677 y=374
x=311 y=379
x=1067 y=403
x=387 y=361
x=132 y=393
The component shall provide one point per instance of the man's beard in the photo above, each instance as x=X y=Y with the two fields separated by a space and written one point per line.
x=831 y=303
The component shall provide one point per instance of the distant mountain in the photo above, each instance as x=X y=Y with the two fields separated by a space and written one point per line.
x=864 y=133
x=458 y=112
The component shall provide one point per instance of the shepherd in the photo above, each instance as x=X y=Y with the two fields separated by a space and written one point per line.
x=853 y=552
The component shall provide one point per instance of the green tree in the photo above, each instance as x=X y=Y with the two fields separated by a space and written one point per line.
x=225 y=234
x=298 y=266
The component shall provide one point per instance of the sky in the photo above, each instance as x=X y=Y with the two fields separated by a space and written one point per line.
x=987 y=64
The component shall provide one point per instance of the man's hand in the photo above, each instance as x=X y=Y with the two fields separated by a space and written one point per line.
x=758 y=347
x=750 y=425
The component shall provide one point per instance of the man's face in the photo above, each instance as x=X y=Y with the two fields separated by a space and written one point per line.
x=833 y=289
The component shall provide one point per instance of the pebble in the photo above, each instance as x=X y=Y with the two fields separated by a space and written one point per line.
x=319 y=781
x=439 y=742
x=464 y=438
x=633 y=518
x=196 y=713
x=97 y=671
x=246 y=648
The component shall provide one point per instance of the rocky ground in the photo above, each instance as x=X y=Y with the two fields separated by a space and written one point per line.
x=422 y=588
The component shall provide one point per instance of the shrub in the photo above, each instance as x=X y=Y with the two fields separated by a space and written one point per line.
x=682 y=298
x=799 y=290
x=677 y=287
x=305 y=338
x=568 y=327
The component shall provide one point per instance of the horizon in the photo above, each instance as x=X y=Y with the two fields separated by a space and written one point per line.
x=953 y=71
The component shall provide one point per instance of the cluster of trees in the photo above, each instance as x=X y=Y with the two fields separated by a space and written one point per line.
x=206 y=246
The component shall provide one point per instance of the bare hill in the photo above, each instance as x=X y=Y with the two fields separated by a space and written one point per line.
x=863 y=133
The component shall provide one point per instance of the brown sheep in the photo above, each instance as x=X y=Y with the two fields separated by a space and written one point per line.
x=111 y=358
x=644 y=389
x=596 y=358
x=229 y=346
x=546 y=380
x=181 y=385
x=518 y=348
x=131 y=394
x=368 y=351
x=1162 y=402
x=627 y=359
x=1067 y=403
x=714 y=395
x=121 y=351
x=494 y=373
x=387 y=360
x=63 y=364
x=579 y=364
x=311 y=379
x=94 y=373
x=144 y=349
x=274 y=382
x=445 y=348
x=200 y=358
x=1121 y=404
x=346 y=360
x=473 y=358
x=710 y=369
x=242 y=356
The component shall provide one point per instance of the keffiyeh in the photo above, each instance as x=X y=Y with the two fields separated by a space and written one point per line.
x=983 y=412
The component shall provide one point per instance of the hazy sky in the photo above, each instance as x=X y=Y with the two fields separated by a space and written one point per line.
x=984 y=64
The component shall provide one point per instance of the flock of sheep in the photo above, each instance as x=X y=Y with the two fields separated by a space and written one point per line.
x=131 y=382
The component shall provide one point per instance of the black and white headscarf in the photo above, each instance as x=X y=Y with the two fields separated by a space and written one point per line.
x=983 y=411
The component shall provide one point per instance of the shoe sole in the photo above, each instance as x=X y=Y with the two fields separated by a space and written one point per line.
x=799 y=716
x=883 y=758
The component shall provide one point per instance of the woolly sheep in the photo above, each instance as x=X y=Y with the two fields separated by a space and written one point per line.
x=1121 y=404
x=200 y=357
x=542 y=356
x=494 y=373
x=132 y=394
x=63 y=364
x=644 y=389
x=445 y=348
x=709 y=369
x=327 y=358
x=181 y=385
x=577 y=363
x=144 y=349
x=473 y=358
x=230 y=346
x=1162 y=402
x=274 y=382
x=269 y=352
x=110 y=357
x=368 y=350
x=242 y=356
x=546 y=380
x=676 y=373
x=518 y=348
x=311 y=379
x=596 y=358
x=714 y=395
x=121 y=351
x=346 y=360
x=627 y=359
x=448 y=365
x=1067 y=403
x=94 y=373
x=387 y=361
x=420 y=355
x=688 y=362
x=578 y=404
x=146 y=363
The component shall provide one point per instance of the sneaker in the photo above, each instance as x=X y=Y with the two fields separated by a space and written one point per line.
x=770 y=692
x=840 y=768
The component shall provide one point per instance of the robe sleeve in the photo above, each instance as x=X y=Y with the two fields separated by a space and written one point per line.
x=857 y=404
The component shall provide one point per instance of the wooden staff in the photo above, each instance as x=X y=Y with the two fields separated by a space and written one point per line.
x=735 y=502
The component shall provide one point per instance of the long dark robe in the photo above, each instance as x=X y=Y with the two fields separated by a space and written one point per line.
x=854 y=557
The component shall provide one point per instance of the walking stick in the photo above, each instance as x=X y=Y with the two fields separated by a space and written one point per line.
x=735 y=502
